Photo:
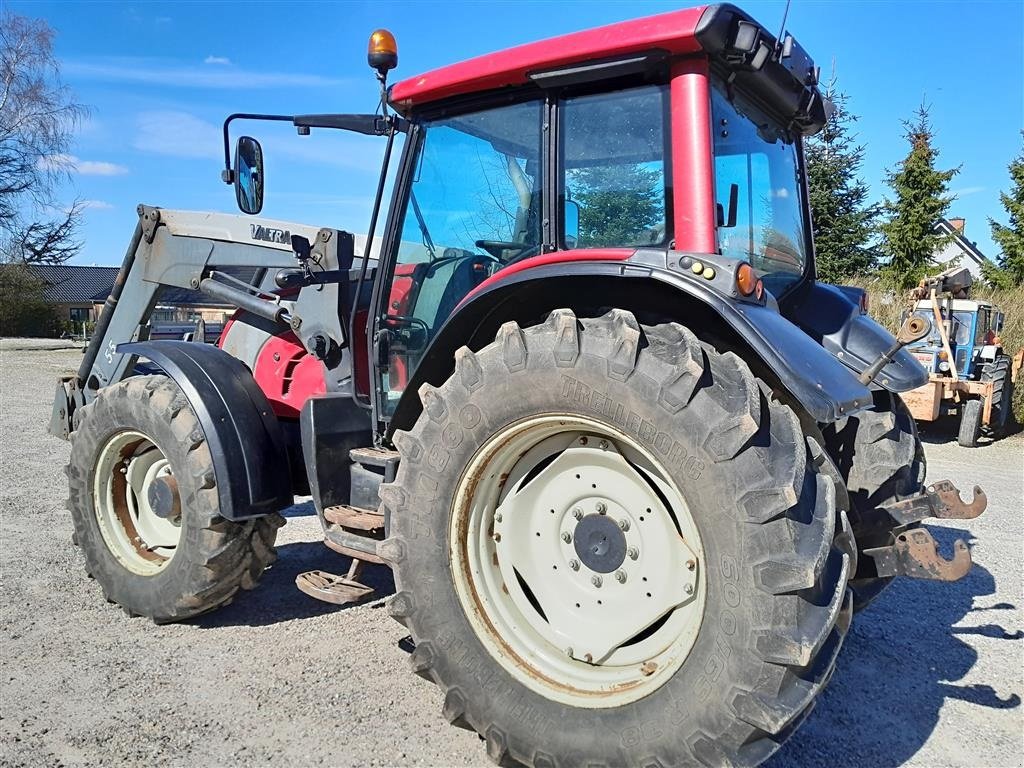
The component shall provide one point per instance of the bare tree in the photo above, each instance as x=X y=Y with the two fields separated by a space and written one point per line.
x=38 y=118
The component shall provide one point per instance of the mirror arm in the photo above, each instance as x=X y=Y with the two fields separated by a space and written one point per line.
x=369 y=125
x=228 y=175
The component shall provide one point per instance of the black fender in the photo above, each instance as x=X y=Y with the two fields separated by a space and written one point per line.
x=814 y=377
x=832 y=316
x=250 y=458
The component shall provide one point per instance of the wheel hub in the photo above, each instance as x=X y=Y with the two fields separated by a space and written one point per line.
x=582 y=556
x=136 y=501
x=600 y=543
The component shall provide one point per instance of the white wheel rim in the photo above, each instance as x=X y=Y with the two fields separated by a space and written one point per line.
x=591 y=627
x=141 y=540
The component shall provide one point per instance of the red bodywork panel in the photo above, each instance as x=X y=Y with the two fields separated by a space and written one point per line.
x=399 y=302
x=556 y=257
x=671 y=32
x=693 y=173
x=291 y=378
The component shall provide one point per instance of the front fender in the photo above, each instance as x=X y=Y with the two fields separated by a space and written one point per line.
x=250 y=459
x=825 y=388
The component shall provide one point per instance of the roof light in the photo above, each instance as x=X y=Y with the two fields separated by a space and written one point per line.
x=382 y=52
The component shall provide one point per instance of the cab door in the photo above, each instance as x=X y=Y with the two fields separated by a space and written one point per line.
x=472 y=205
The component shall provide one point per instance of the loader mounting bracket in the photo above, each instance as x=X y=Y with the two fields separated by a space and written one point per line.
x=916 y=554
x=940 y=499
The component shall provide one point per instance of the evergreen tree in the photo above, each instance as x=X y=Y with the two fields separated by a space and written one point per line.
x=1010 y=238
x=619 y=204
x=909 y=237
x=843 y=221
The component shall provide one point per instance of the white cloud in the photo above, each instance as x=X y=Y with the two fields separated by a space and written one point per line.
x=156 y=72
x=967 y=191
x=100 y=168
x=217 y=60
x=72 y=164
x=95 y=205
x=179 y=134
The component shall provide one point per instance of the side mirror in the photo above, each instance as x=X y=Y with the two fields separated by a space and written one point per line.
x=248 y=175
x=572 y=223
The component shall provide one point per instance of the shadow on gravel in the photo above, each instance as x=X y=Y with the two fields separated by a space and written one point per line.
x=901 y=661
x=277 y=599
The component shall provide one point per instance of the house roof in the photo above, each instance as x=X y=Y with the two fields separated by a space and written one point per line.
x=67 y=284
x=73 y=284
x=969 y=249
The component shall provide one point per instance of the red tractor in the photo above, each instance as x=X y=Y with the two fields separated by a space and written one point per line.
x=633 y=467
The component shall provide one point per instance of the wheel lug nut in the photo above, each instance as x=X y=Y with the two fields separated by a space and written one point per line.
x=566 y=537
x=688 y=589
x=601 y=508
x=633 y=553
x=690 y=565
x=624 y=524
x=603 y=445
x=583 y=441
x=497 y=517
x=595 y=580
x=497 y=537
x=620 y=577
x=574 y=564
x=577 y=513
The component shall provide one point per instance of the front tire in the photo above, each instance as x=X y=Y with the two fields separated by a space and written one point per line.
x=971 y=413
x=518 y=451
x=145 y=506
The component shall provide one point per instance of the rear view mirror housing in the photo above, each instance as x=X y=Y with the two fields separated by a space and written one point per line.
x=248 y=175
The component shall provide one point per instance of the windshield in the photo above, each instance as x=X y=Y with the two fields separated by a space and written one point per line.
x=759 y=196
x=961 y=330
x=474 y=206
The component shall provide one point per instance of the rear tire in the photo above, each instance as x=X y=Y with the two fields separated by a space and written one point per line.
x=971 y=413
x=168 y=567
x=772 y=552
x=880 y=455
x=998 y=372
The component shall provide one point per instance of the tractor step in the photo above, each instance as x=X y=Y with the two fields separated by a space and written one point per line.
x=356 y=545
x=941 y=500
x=382 y=458
x=916 y=554
x=331 y=588
x=354 y=517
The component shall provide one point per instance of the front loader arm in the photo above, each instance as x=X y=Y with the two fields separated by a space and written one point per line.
x=182 y=249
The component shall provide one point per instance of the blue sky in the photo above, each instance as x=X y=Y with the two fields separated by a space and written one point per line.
x=160 y=77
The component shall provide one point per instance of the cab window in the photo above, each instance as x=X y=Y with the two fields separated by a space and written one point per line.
x=614 y=184
x=758 y=194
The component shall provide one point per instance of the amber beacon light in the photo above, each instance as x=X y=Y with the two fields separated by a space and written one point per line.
x=746 y=279
x=382 y=53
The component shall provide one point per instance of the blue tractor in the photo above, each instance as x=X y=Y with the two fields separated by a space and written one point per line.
x=969 y=372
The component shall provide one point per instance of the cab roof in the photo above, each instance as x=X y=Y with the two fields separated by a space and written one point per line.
x=674 y=33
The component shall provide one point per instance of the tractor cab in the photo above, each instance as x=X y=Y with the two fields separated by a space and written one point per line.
x=972 y=328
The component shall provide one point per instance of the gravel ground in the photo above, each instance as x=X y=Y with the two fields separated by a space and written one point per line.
x=931 y=675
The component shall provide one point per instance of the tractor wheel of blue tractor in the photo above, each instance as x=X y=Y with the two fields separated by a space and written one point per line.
x=970 y=422
x=998 y=372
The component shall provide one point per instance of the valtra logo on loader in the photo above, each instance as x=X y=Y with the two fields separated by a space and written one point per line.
x=633 y=467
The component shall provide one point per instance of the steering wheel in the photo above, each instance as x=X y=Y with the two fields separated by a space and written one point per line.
x=496 y=247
